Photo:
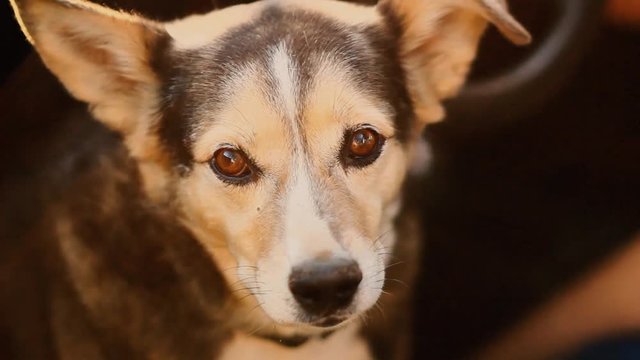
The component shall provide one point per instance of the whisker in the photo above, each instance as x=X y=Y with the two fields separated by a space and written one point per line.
x=394 y=264
x=258 y=329
x=384 y=317
x=251 y=293
x=240 y=267
x=379 y=238
x=243 y=280
x=382 y=291
x=255 y=307
x=383 y=270
x=245 y=288
x=364 y=317
x=396 y=281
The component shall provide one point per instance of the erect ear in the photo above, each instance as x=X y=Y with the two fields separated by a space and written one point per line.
x=438 y=42
x=100 y=55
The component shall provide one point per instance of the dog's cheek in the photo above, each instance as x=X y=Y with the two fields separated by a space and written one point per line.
x=392 y=172
x=224 y=216
x=376 y=194
x=377 y=188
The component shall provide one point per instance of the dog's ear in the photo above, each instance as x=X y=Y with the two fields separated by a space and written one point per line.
x=100 y=55
x=438 y=41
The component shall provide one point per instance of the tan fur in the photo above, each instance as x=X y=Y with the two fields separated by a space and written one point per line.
x=199 y=30
x=344 y=12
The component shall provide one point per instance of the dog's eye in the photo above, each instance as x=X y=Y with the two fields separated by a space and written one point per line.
x=231 y=165
x=362 y=146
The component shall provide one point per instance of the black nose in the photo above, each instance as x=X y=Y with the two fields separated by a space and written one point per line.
x=323 y=286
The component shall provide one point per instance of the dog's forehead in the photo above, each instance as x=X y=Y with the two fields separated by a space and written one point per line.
x=200 y=30
x=305 y=35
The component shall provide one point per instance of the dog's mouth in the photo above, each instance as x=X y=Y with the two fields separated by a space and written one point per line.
x=298 y=333
x=331 y=321
x=317 y=324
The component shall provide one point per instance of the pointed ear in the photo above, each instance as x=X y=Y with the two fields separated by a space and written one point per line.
x=438 y=42
x=100 y=55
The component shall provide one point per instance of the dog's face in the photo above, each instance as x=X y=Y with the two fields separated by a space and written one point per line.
x=297 y=147
x=282 y=131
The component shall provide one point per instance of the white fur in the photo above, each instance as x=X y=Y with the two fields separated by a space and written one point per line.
x=285 y=75
x=306 y=235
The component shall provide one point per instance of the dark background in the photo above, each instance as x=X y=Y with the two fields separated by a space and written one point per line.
x=513 y=210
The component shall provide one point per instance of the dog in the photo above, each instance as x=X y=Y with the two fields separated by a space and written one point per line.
x=249 y=200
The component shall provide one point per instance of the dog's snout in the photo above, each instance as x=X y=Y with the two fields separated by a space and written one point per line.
x=324 y=286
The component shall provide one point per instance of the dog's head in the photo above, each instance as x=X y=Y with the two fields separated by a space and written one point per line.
x=280 y=130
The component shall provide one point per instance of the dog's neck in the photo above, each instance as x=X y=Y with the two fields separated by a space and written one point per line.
x=347 y=343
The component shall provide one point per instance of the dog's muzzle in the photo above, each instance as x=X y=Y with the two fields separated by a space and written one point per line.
x=323 y=288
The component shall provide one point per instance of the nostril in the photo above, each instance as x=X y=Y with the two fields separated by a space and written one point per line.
x=322 y=287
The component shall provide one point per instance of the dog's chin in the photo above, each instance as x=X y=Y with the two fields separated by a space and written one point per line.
x=326 y=323
x=316 y=326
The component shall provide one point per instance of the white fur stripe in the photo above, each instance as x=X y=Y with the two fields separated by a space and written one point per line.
x=286 y=77
x=307 y=236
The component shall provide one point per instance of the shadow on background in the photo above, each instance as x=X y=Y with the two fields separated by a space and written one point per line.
x=516 y=211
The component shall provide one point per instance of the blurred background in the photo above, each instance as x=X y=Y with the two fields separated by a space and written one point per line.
x=531 y=206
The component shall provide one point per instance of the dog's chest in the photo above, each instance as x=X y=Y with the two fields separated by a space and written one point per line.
x=344 y=344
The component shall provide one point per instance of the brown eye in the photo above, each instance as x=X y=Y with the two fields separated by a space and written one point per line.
x=231 y=165
x=363 y=142
x=362 y=146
